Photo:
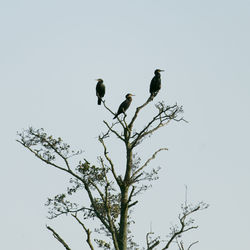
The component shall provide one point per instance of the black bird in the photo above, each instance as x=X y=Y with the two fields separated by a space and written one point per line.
x=100 y=90
x=155 y=84
x=124 y=105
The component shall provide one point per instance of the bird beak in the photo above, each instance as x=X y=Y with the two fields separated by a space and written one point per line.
x=162 y=70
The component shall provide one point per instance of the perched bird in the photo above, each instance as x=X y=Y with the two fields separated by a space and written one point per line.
x=100 y=90
x=155 y=84
x=124 y=105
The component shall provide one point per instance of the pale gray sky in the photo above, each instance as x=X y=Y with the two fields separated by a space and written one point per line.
x=50 y=54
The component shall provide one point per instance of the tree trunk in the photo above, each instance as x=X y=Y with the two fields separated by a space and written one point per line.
x=123 y=237
x=123 y=219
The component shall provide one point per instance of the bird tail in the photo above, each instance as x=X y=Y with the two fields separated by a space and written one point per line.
x=99 y=101
x=152 y=96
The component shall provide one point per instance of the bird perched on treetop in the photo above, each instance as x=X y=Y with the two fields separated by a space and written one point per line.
x=124 y=105
x=155 y=84
x=100 y=90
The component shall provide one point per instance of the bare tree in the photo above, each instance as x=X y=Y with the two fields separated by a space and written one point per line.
x=110 y=196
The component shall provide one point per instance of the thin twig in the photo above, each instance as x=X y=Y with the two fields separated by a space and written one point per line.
x=183 y=225
x=110 y=161
x=113 y=131
x=147 y=162
x=192 y=244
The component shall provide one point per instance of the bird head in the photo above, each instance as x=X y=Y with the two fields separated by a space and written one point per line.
x=158 y=71
x=129 y=95
x=99 y=80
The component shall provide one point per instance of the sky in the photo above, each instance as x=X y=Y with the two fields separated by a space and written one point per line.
x=51 y=52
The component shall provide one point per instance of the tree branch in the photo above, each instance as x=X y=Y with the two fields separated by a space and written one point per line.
x=106 y=107
x=53 y=147
x=99 y=216
x=187 y=210
x=151 y=244
x=41 y=158
x=110 y=161
x=113 y=131
x=146 y=163
x=130 y=126
x=87 y=231
x=161 y=117
x=192 y=244
x=120 y=121
x=58 y=237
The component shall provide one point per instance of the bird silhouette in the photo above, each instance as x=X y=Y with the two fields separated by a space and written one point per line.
x=155 y=84
x=100 y=90
x=124 y=105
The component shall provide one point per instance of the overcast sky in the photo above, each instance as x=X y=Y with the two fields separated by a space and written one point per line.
x=50 y=54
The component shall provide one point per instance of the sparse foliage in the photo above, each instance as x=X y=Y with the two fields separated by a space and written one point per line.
x=110 y=196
